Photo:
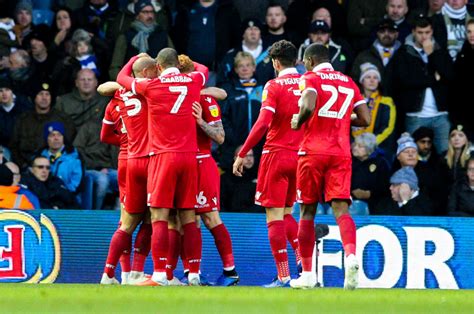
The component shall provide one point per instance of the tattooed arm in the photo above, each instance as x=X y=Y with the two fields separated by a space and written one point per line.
x=214 y=131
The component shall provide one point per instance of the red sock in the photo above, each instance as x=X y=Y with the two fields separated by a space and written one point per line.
x=159 y=245
x=306 y=240
x=347 y=229
x=141 y=248
x=121 y=241
x=276 y=234
x=291 y=230
x=184 y=258
x=173 y=252
x=223 y=245
x=193 y=246
x=125 y=261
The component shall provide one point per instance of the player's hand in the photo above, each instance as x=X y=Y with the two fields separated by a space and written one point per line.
x=294 y=122
x=197 y=112
x=238 y=167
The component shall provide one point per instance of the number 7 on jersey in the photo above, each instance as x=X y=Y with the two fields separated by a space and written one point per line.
x=183 y=91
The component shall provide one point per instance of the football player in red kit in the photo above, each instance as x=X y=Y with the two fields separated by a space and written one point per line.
x=276 y=183
x=324 y=166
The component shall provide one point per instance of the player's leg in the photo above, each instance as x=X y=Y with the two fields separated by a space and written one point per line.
x=291 y=231
x=141 y=249
x=174 y=246
x=192 y=242
x=337 y=190
x=125 y=257
x=223 y=242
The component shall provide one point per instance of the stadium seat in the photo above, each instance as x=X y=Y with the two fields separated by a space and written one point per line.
x=43 y=16
x=86 y=195
x=359 y=208
x=42 y=4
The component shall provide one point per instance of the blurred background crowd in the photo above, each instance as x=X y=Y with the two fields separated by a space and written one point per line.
x=413 y=60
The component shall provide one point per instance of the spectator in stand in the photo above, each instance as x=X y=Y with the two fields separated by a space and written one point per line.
x=83 y=51
x=195 y=26
x=430 y=181
x=454 y=163
x=426 y=8
x=275 y=20
x=95 y=17
x=24 y=19
x=407 y=199
x=21 y=72
x=397 y=12
x=382 y=109
x=421 y=73
x=8 y=42
x=363 y=17
x=27 y=137
x=144 y=35
x=423 y=138
x=320 y=32
x=461 y=199
x=100 y=160
x=83 y=103
x=50 y=190
x=64 y=158
x=462 y=113
x=11 y=107
x=23 y=190
x=251 y=43
x=41 y=61
x=241 y=108
x=370 y=171
x=255 y=8
x=10 y=198
x=62 y=29
x=381 y=51
x=238 y=193
x=450 y=26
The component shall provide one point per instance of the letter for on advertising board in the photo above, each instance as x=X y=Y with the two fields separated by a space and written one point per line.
x=418 y=262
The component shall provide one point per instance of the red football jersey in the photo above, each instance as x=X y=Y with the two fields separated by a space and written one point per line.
x=211 y=113
x=328 y=129
x=171 y=125
x=134 y=113
x=281 y=96
x=112 y=117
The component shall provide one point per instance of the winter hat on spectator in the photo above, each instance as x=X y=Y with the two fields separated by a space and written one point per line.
x=405 y=175
x=387 y=24
x=250 y=22
x=368 y=140
x=140 y=4
x=368 y=68
x=405 y=141
x=6 y=176
x=5 y=83
x=44 y=86
x=42 y=33
x=51 y=127
x=423 y=132
x=80 y=35
x=24 y=5
x=319 y=26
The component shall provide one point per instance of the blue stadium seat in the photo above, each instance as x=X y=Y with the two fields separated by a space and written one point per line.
x=42 y=4
x=86 y=195
x=43 y=16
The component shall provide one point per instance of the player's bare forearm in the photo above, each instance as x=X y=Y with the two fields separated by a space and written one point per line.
x=217 y=93
x=124 y=77
x=307 y=104
x=303 y=116
x=108 y=88
x=362 y=118
x=215 y=131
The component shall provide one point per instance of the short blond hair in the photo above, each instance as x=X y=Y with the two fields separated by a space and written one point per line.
x=242 y=55
x=186 y=65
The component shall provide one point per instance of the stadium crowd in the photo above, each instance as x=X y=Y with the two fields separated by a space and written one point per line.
x=413 y=60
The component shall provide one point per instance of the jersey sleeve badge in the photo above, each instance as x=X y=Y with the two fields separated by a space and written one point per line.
x=302 y=84
x=214 y=110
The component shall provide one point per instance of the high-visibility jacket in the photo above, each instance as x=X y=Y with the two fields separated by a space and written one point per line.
x=9 y=198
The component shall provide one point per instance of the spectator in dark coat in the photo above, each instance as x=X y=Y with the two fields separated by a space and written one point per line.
x=95 y=17
x=21 y=72
x=397 y=12
x=63 y=27
x=421 y=73
x=195 y=24
x=241 y=108
x=370 y=171
x=11 y=107
x=276 y=31
x=406 y=199
x=27 y=137
x=50 y=190
x=461 y=199
x=238 y=193
x=24 y=20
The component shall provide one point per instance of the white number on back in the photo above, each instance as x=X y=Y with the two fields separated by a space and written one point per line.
x=137 y=106
x=325 y=109
x=183 y=91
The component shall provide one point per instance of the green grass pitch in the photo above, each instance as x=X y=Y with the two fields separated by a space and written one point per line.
x=69 y=298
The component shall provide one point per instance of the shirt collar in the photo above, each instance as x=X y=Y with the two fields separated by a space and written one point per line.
x=323 y=66
x=171 y=70
x=287 y=71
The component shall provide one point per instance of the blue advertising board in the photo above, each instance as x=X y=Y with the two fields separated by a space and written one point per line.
x=66 y=246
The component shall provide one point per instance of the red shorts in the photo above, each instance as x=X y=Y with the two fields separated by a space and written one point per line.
x=172 y=180
x=122 y=178
x=207 y=198
x=136 y=196
x=318 y=174
x=276 y=182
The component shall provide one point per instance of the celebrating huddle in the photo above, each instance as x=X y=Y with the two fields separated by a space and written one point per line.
x=164 y=125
